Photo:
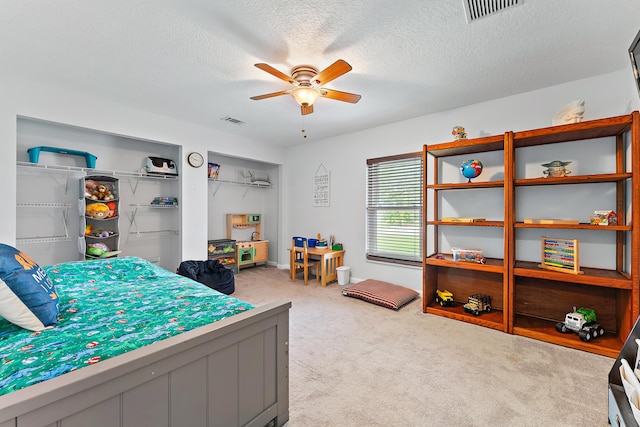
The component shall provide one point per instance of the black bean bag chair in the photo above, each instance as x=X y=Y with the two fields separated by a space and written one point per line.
x=210 y=273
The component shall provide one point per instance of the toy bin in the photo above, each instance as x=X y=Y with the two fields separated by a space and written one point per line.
x=299 y=241
x=344 y=274
x=469 y=255
x=311 y=243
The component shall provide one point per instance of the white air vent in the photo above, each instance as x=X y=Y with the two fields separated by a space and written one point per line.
x=476 y=9
x=232 y=120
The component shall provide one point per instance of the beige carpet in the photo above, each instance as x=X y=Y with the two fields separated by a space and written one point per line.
x=356 y=364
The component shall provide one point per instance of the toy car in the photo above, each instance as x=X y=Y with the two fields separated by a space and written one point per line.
x=444 y=298
x=582 y=321
x=478 y=303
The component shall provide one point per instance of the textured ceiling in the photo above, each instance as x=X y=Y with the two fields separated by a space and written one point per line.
x=193 y=59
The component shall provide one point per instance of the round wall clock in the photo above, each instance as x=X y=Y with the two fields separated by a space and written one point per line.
x=195 y=159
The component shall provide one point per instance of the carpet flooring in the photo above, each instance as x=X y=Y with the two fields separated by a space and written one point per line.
x=356 y=364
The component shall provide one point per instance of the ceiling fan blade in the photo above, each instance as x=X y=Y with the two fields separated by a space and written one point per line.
x=306 y=109
x=270 y=95
x=340 y=96
x=333 y=71
x=269 y=69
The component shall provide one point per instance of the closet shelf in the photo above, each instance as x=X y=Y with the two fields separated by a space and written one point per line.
x=140 y=233
x=149 y=205
x=243 y=184
x=52 y=239
x=47 y=239
x=44 y=205
x=133 y=225
x=114 y=173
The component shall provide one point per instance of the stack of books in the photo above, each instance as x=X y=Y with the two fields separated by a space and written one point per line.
x=164 y=201
x=460 y=219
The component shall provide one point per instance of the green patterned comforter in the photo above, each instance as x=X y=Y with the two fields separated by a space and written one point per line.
x=107 y=307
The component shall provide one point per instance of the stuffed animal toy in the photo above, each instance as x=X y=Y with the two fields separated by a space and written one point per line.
x=97 y=249
x=95 y=190
x=97 y=211
x=89 y=231
x=113 y=209
x=89 y=187
x=102 y=192
x=100 y=250
x=570 y=113
x=458 y=133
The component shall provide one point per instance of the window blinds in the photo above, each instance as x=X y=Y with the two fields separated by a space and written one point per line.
x=394 y=208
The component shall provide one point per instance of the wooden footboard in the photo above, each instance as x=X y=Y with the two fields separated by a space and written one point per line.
x=230 y=373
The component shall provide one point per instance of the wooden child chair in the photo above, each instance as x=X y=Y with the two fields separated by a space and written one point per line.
x=300 y=261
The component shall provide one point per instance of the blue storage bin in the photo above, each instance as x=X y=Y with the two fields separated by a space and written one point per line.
x=311 y=243
x=299 y=241
x=34 y=154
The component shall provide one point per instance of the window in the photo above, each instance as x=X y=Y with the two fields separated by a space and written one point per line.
x=394 y=209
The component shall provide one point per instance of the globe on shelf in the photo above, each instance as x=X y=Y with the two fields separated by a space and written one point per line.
x=471 y=169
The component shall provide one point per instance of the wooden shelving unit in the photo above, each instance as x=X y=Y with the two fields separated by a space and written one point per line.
x=526 y=299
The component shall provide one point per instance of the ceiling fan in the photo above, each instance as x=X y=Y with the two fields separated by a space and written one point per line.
x=309 y=84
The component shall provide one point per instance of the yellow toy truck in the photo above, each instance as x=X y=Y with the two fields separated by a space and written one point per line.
x=444 y=298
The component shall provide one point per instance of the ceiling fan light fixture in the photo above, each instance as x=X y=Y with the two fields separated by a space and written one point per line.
x=305 y=96
x=308 y=84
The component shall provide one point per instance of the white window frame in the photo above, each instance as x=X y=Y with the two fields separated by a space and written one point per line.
x=395 y=196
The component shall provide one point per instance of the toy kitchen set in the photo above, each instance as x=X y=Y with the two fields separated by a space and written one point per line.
x=243 y=232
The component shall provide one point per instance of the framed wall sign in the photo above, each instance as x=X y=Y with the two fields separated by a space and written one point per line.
x=321 y=186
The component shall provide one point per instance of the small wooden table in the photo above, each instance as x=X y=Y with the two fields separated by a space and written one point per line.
x=330 y=260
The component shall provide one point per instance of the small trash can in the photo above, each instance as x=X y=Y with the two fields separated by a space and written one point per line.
x=343 y=275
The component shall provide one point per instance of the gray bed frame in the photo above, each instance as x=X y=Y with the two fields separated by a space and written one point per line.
x=233 y=372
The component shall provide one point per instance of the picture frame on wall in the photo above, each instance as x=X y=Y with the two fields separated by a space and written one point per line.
x=634 y=55
x=321 y=187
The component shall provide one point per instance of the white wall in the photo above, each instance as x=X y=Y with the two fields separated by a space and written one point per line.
x=29 y=99
x=345 y=157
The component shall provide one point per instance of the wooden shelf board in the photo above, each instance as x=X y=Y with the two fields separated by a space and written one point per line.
x=590 y=129
x=493 y=319
x=492 y=265
x=590 y=276
x=473 y=224
x=467 y=146
x=544 y=330
x=581 y=226
x=576 y=179
x=466 y=185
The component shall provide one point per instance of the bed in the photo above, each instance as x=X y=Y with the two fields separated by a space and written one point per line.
x=149 y=348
